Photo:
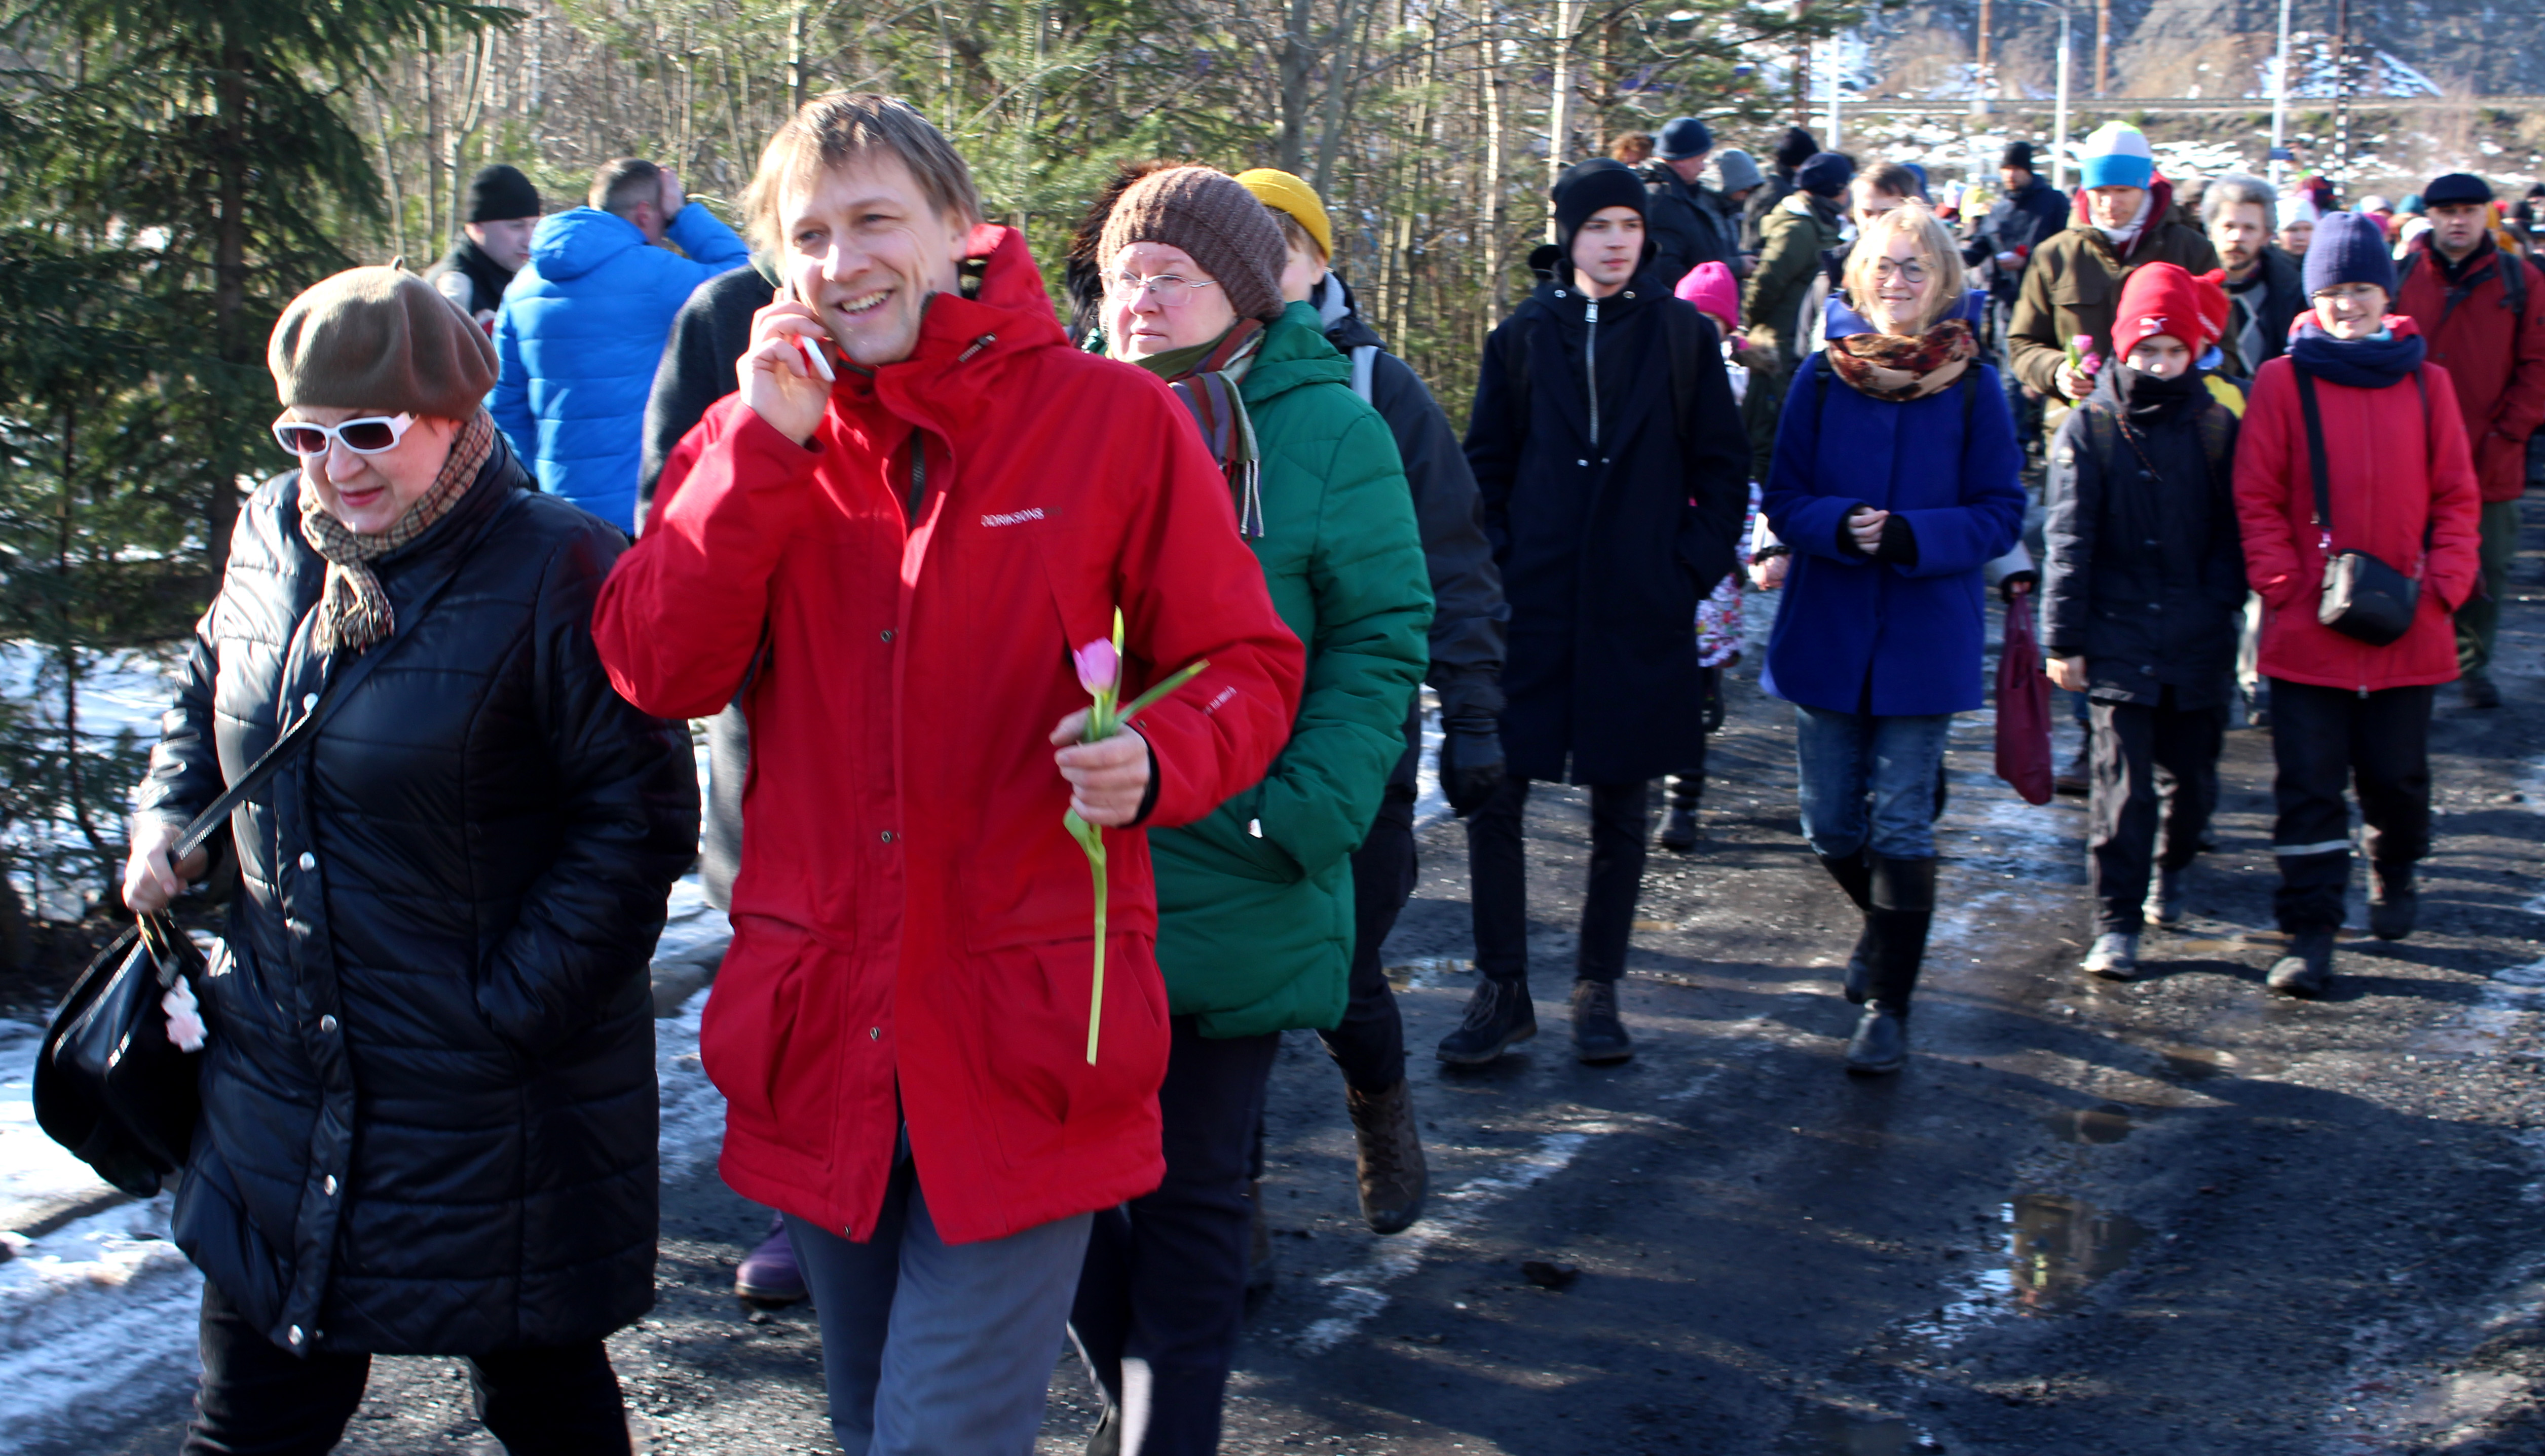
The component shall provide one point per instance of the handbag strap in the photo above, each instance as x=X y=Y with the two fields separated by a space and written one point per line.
x=2315 y=458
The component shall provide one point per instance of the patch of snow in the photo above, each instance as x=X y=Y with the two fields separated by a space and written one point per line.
x=33 y=1169
x=87 y=1314
x=692 y=1110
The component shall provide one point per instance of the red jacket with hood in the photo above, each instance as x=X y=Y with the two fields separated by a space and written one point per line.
x=2495 y=358
x=912 y=923
x=2393 y=473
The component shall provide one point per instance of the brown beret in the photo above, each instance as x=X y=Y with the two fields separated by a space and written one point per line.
x=380 y=339
x=1211 y=215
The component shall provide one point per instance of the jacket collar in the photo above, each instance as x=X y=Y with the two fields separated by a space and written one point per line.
x=1295 y=355
x=963 y=342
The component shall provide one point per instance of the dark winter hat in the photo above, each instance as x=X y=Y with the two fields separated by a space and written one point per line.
x=1682 y=139
x=2348 y=248
x=1739 y=172
x=2456 y=186
x=1585 y=188
x=2017 y=154
x=380 y=339
x=1212 y=216
x=1826 y=175
x=499 y=193
x=1795 y=147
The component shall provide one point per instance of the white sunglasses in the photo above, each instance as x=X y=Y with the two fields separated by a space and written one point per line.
x=367 y=435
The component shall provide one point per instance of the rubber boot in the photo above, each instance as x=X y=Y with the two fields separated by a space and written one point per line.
x=769 y=1277
x=1855 y=876
x=1904 y=910
x=2394 y=900
x=1391 y=1171
x=1498 y=1016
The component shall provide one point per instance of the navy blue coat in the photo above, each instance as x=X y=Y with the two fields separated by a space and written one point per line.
x=1605 y=543
x=1893 y=639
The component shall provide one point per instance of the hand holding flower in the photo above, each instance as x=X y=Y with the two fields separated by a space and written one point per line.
x=1108 y=778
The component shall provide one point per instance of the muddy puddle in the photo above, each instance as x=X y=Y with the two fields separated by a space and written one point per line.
x=2063 y=1246
x=1429 y=970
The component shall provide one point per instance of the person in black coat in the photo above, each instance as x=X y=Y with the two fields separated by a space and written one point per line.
x=2141 y=595
x=1682 y=212
x=2030 y=212
x=1468 y=620
x=429 y=1117
x=1614 y=469
x=495 y=242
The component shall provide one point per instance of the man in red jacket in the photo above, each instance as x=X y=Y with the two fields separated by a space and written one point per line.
x=2483 y=311
x=892 y=572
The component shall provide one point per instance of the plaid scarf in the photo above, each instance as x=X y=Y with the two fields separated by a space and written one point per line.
x=1898 y=368
x=353 y=608
x=1208 y=378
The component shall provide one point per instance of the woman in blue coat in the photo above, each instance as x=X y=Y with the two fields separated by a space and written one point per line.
x=1894 y=481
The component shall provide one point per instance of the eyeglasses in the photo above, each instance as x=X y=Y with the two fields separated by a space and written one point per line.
x=369 y=436
x=1913 y=271
x=1169 y=289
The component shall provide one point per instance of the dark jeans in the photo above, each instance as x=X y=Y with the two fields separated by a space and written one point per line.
x=1369 y=1043
x=1498 y=879
x=1164 y=1285
x=258 y=1399
x=2153 y=763
x=2323 y=739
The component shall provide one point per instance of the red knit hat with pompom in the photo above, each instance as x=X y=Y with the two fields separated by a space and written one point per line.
x=2162 y=298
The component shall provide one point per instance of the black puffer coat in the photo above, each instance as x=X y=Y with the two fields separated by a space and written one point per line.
x=430 y=1115
x=2145 y=569
x=1610 y=517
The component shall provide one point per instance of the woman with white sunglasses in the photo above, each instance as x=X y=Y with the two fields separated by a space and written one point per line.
x=429 y=1105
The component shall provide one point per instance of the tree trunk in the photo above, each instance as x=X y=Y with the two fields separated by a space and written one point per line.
x=230 y=344
x=1296 y=60
x=1494 y=222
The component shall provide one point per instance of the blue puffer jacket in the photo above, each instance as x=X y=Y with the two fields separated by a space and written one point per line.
x=1889 y=637
x=580 y=332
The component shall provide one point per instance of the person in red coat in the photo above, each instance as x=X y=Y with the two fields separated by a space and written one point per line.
x=2383 y=429
x=2483 y=311
x=891 y=573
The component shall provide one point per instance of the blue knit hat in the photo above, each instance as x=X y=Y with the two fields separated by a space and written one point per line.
x=1682 y=139
x=2349 y=249
x=1826 y=175
x=2117 y=154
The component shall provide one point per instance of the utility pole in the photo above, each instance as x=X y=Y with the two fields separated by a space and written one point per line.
x=1983 y=73
x=2280 y=106
x=2342 y=99
x=1833 y=68
x=2103 y=46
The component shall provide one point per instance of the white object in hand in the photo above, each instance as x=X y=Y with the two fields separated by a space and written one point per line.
x=185 y=1017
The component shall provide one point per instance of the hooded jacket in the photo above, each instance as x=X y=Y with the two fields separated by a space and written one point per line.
x=2398 y=472
x=1611 y=514
x=578 y=337
x=1469 y=618
x=912 y=922
x=2144 y=569
x=1254 y=900
x=429 y=1105
x=2073 y=285
x=2495 y=358
x=1794 y=236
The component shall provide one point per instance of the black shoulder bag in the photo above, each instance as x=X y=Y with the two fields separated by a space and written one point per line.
x=111 y=1084
x=2364 y=597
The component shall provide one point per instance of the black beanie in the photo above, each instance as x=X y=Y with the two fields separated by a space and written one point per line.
x=1826 y=175
x=2017 y=154
x=1585 y=188
x=1795 y=148
x=500 y=194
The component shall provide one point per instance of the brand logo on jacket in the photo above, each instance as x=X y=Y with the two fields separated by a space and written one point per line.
x=1013 y=518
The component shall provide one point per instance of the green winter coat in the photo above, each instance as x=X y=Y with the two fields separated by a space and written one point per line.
x=1255 y=903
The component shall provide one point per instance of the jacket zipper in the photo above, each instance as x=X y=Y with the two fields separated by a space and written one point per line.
x=1591 y=363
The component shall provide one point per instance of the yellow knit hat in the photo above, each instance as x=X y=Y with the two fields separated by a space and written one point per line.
x=1284 y=192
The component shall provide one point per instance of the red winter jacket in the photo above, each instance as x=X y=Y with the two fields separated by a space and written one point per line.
x=2391 y=476
x=2496 y=357
x=911 y=921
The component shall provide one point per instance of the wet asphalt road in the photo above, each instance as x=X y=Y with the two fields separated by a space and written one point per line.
x=2180 y=1215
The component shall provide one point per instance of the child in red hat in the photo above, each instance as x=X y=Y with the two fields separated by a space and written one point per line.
x=2142 y=591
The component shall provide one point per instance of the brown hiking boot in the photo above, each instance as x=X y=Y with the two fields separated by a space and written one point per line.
x=1393 y=1177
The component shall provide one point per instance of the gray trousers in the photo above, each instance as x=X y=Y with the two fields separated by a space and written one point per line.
x=938 y=1349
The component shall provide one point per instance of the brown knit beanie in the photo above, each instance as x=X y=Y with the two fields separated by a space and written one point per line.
x=1212 y=216
x=380 y=339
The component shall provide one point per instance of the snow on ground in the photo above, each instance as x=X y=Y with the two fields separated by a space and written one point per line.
x=87 y=1310
x=119 y=691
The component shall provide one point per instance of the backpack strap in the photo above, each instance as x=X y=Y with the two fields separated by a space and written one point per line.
x=1365 y=368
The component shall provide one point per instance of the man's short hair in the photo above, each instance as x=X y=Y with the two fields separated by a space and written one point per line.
x=2235 y=190
x=1892 y=178
x=619 y=186
x=1935 y=250
x=835 y=129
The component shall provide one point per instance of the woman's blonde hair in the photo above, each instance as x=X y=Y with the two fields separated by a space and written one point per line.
x=1935 y=252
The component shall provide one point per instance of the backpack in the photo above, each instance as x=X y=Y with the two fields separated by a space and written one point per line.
x=2514 y=284
x=1365 y=365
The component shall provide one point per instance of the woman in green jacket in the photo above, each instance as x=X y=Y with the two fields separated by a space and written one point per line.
x=1255 y=903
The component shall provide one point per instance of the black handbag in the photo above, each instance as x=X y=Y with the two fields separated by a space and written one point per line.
x=2362 y=598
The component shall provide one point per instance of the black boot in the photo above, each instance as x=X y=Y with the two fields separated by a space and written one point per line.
x=2394 y=902
x=1854 y=875
x=1903 y=909
x=1680 y=832
x=1598 y=1037
x=1499 y=1015
x=1390 y=1168
x=2306 y=971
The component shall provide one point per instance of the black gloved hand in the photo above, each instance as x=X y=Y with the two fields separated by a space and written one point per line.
x=1471 y=762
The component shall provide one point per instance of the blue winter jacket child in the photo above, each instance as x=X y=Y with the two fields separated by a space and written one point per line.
x=1894 y=637
x=579 y=335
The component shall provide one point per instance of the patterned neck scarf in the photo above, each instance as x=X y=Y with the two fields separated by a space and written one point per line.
x=1208 y=378
x=1897 y=368
x=353 y=608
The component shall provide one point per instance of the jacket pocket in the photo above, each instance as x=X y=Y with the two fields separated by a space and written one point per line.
x=1225 y=842
x=1039 y=1093
x=2083 y=285
x=765 y=1043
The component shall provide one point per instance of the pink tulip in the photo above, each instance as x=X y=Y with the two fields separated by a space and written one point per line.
x=1097 y=666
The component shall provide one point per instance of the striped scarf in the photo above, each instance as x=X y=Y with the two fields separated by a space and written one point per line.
x=1209 y=378
x=353 y=608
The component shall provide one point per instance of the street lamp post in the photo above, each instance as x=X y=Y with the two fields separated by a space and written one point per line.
x=2059 y=107
x=2280 y=104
